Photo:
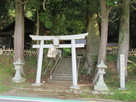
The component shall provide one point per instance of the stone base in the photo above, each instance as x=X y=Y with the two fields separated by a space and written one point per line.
x=121 y=88
x=100 y=88
x=102 y=92
x=37 y=84
x=75 y=87
x=18 y=80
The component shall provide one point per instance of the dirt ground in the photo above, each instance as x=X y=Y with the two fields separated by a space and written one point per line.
x=57 y=90
x=49 y=89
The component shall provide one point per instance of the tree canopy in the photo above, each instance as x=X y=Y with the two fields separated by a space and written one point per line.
x=63 y=17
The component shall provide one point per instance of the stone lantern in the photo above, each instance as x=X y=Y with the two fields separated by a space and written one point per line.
x=18 y=67
x=100 y=84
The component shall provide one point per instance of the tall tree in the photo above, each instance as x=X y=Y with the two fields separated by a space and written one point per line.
x=19 y=31
x=106 y=6
x=123 y=47
x=93 y=38
x=104 y=30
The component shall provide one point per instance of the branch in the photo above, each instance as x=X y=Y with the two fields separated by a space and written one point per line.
x=111 y=20
x=44 y=4
x=133 y=3
x=113 y=17
x=119 y=5
x=107 y=13
x=133 y=7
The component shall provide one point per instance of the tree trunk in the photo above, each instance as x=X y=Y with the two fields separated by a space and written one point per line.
x=123 y=45
x=37 y=25
x=19 y=31
x=93 y=42
x=104 y=35
x=104 y=31
x=93 y=38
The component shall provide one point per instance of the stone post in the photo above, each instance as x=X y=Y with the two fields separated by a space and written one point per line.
x=100 y=84
x=1 y=51
x=122 y=72
x=39 y=65
x=18 y=67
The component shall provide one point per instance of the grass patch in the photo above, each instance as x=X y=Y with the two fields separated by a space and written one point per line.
x=111 y=58
x=6 y=72
x=125 y=95
x=111 y=78
x=30 y=67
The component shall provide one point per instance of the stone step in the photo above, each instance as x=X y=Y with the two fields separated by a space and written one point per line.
x=62 y=75
x=64 y=71
x=57 y=74
x=62 y=79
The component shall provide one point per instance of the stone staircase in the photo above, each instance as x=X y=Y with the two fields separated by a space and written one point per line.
x=64 y=71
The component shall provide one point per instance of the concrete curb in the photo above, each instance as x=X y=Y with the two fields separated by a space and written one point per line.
x=32 y=99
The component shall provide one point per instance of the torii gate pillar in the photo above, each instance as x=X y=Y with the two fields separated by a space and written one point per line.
x=74 y=66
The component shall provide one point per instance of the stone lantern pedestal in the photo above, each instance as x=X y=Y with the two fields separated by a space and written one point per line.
x=18 y=67
x=100 y=84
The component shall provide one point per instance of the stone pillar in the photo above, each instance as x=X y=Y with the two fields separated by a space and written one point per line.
x=39 y=65
x=1 y=51
x=122 y=72
x=18 y=67
x=100 y=84
x=74 y=66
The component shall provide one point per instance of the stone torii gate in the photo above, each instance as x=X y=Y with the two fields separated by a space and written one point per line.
x=56 y=44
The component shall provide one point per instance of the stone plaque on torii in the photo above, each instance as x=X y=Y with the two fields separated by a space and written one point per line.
x=56 y=44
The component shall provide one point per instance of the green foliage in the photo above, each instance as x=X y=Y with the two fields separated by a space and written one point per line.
x=46 y=18
x=83 y=71
x=66 y=52
x=6 y=6
x=92 y=5
x=111 y=58
x=64 y=17
x=57 y=0
x=33 y=5
x=111 y=2
x=131 y=67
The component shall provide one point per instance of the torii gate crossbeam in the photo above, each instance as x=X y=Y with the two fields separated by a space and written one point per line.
x=56 y=44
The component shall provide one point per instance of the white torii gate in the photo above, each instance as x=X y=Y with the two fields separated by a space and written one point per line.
x=56 y=44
